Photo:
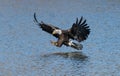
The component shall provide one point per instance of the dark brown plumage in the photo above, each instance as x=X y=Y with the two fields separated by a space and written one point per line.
x=79 y=32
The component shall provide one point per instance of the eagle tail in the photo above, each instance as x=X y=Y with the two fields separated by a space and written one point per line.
x=77 y=46
x=74 y=45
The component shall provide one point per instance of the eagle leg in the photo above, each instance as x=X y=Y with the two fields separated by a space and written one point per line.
x=54 y=43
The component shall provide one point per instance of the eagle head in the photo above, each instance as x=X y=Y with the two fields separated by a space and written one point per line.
x=57 y=31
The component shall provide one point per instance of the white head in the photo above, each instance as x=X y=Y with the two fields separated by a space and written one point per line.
x=57 y=31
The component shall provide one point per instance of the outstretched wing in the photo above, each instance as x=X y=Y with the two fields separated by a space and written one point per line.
x=46 y=27
x=79 y=30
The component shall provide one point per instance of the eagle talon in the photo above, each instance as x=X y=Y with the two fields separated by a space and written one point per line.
x=54 y=43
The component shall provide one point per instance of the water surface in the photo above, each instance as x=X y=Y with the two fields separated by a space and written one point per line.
x=25 y=50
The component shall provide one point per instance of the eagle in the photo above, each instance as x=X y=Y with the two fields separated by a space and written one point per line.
x=79 y=32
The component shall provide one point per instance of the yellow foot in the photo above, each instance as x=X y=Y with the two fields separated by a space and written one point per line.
x=54 y=43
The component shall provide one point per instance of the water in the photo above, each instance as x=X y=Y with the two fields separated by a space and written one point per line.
x=25 y=50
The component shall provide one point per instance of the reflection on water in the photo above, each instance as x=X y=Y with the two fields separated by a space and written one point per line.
x=72 y=55
x=61 y=64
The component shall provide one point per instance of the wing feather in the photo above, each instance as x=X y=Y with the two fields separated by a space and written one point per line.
x=79 y=30
x=80 y=20
x=46 y=27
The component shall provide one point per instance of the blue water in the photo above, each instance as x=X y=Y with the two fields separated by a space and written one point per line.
x=25 y=50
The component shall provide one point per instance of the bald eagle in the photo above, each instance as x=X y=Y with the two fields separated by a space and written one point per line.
x=79 y=32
